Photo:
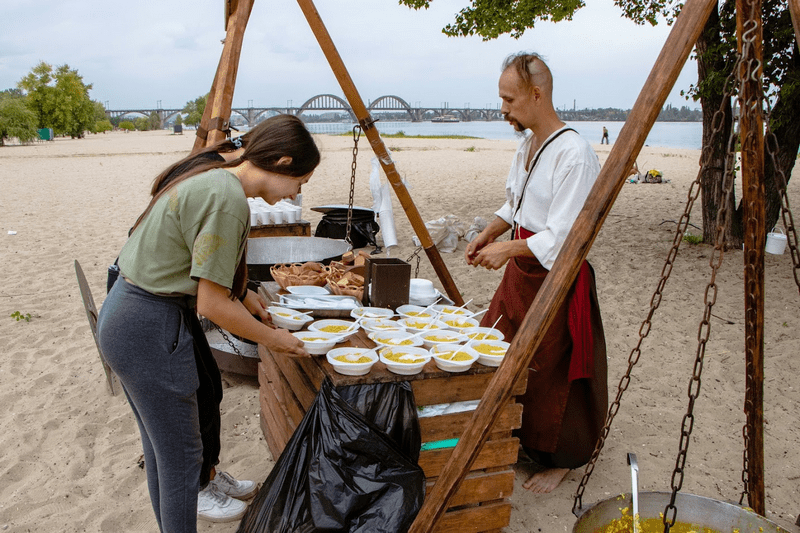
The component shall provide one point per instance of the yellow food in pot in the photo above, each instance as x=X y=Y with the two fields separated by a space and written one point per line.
x=624 y=524
x=489 y=349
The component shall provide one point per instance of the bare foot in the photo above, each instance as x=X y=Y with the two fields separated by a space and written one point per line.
x=546 y=480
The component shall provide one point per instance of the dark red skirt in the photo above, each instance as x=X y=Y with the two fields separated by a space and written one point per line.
x=565 y=404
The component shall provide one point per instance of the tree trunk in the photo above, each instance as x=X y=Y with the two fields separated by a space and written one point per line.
x=713 y=101
x=784 y=124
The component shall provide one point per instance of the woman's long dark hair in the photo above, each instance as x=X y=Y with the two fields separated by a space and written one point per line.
x=264 y=146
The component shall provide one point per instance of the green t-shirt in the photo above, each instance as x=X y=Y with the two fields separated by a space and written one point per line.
x=198 y=229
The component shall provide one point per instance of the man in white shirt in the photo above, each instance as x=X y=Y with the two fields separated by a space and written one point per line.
x=551 y=176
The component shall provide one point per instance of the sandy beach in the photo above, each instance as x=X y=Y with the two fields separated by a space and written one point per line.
x=71 y=450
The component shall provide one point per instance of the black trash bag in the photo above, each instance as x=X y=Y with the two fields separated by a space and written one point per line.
x=341 y=472
x=362 y=231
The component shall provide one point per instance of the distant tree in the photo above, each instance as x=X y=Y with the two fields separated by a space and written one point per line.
x=16 y=120
x=179 y=120
x=59 y=98
x=154 y=121
x=127 y=125
x=102 y=126
x=194 y=110
x=141 y=124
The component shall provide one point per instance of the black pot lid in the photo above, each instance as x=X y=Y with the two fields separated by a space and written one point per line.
x=338 y=208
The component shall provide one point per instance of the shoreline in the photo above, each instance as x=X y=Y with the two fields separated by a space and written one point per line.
x=71 y=449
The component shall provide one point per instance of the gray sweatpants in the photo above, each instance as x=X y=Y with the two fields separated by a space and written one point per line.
x=147 y=344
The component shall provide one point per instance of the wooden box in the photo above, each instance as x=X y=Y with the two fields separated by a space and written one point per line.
x=287 y=388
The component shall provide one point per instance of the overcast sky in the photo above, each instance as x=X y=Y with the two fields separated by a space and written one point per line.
x=139 y=53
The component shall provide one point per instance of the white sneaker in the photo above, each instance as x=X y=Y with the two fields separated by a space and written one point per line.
x=214 y=506
x=240 y=489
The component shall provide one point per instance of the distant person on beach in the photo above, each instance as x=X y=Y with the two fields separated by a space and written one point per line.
x=605 y=135
x=184 y=257
x=553 y=171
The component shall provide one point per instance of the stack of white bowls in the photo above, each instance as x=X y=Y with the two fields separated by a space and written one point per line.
x=422 y=292
x=263 y=214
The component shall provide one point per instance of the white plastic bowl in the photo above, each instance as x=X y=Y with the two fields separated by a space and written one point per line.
x=453 y=366
x=406 y=311
x=417 y=325
x=432 y=338
x=313 y=344
x=490 y=359
x=393 y=338
x=450 y=310
x=420 y=355
x=331 y=325
x=371 y=312
x=288 y=318
x=459 y=323
x=371 y=325
x=350 y=368
x=307 y=290
x=483 y=333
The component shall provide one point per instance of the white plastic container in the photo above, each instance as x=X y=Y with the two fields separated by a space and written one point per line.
x=776 y=242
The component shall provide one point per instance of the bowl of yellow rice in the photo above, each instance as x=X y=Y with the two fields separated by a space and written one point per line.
x=453 y=357
x=288 y=318
x=490 y=352
x=342 y=328
x=394 y=338
x=317 y=342
x=432 y=338
x=404 y=360
x=352 y=361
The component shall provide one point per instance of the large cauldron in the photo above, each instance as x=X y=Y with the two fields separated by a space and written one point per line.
x=264 y=252
x=692 y=509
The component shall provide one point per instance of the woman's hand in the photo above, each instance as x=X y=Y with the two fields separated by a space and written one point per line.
x=257 y=306
x=284 y=342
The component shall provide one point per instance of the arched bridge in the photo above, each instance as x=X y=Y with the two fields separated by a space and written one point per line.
x=330 y=102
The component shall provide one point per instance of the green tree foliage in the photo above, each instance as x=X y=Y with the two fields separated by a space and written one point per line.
x=102 y=126
x=141 y=124
x=16 y=119
x=127 y=125
x=59 y=98
x=194 y=110
x=154 y=121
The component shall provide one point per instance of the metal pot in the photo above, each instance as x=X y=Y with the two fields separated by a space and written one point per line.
x=264 y=252
x=692 y=509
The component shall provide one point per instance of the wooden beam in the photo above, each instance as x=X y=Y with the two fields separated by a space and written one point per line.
x=374 y=137
x=553 y=292
x=220 y=98
x=751 y=130
x=794 y=11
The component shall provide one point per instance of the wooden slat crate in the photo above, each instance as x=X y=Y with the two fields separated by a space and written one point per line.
x=288 y=387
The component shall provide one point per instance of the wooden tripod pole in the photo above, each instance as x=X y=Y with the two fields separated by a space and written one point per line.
x=217 y=113
x=554 y=290
x=750 y=35
x=374 y=137
x=794 y=11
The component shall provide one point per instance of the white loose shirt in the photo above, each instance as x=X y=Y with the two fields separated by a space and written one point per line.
x=555 y=194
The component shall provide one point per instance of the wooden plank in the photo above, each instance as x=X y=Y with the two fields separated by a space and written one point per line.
x=275 y=422
x=753 y=192
x=481 y=487
x=451 y=426
x=476 y=519
x=460 y=387
x=302 y=388
x=553 y=292
x=375 y=141
x=502 y=452
x=281 y=390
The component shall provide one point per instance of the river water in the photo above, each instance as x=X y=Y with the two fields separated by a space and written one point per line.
x=663 y=134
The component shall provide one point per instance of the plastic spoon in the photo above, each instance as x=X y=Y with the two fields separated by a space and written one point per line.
x=472 y=339
x=635 y=490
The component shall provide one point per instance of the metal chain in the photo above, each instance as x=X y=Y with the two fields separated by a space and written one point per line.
x=356 y=137
x=415 y=253
x=746 y=69
x=786 y=212
x=228 y=340
x=644 y=330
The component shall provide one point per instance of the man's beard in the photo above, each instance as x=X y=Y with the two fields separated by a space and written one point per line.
x=519 y=128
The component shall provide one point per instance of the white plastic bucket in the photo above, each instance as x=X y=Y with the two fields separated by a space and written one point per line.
x=776 y=242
